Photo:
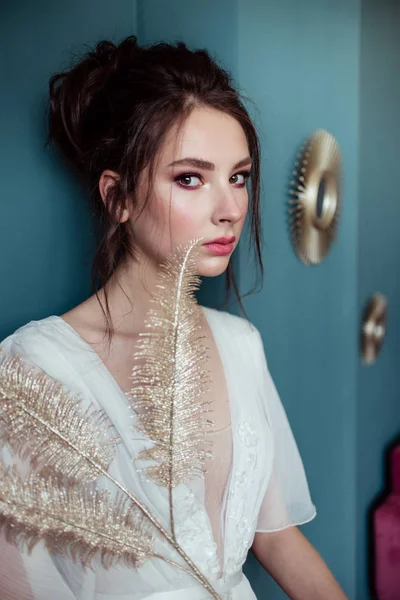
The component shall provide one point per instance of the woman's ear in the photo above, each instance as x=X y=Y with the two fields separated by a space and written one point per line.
x=109 y=179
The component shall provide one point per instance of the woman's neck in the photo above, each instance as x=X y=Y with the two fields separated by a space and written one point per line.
x=128 y=293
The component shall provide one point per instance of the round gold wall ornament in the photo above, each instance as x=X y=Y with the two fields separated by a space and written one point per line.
x=373 y=328
x=315 y=197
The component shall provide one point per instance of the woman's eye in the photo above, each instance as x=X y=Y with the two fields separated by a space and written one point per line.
x=188 y=180
x=193 y=180
x=239 y=178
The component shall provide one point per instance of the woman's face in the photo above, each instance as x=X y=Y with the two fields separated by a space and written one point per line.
x=199 y=191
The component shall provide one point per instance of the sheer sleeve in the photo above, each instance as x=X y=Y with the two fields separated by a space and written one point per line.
x=35 y=575
x=287 y=498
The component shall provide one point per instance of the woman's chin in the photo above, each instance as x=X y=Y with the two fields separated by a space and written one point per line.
x=213 y=266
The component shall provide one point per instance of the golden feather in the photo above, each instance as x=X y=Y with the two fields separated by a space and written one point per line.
x=45 y=423
x=169 y=377
x=74 y=522
x=42 y=422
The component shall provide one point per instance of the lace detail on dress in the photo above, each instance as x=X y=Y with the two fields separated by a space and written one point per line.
x=194 y=535
x=247 y=435
x=239 y=497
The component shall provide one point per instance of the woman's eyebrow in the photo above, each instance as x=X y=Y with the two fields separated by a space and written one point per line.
x=205 y=164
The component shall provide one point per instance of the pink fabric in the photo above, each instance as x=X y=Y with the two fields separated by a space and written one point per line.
x=396 y=471
x=387 y=538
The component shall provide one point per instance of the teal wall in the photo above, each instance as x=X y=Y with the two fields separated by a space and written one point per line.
x=45 y=230
x=378 y=398
x=306 y=65
x=300 y=63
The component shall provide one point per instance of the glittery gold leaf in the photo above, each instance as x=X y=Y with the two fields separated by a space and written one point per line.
x=73 y=521
x=169 y=376
x=44 y=423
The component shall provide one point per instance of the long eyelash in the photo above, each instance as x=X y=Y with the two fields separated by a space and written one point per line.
x=246 y=175
x=177 y=178
x=182 y=175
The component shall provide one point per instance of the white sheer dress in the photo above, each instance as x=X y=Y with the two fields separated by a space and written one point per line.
x=255 y=482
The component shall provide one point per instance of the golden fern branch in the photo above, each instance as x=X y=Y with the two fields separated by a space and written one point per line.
x=74 y=522
x=169 y=378
x=42 y=422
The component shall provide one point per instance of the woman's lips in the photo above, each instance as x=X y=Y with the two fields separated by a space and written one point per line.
x=220 y=249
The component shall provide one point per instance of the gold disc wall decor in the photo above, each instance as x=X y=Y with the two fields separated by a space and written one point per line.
x=315 y=197
x=373 y=328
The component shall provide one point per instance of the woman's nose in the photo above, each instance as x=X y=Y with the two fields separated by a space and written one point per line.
x=228 y=207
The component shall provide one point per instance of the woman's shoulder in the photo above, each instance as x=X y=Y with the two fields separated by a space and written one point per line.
x=231 y=326
x=46 y=344
x=34 y=335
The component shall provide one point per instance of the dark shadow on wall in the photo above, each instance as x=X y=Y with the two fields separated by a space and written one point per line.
x=51 y=246
x=45 y=225
x=212 y=291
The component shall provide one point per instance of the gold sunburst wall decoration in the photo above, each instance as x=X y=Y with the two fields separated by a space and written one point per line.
x=315 y=197
x=373 y=328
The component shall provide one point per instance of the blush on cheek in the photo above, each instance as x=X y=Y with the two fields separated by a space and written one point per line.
x=184 y=225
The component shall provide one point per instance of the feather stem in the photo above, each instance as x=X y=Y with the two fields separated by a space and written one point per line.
x=170 y=381
x=197 y=574
x=185 y=285
x=172 y=406
x=98 y=533
x=36 y=408
x=178 y=566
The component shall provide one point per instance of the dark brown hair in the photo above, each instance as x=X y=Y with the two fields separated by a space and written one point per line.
x=113 y=108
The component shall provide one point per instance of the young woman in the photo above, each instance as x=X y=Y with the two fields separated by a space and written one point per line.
x=167 y=148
